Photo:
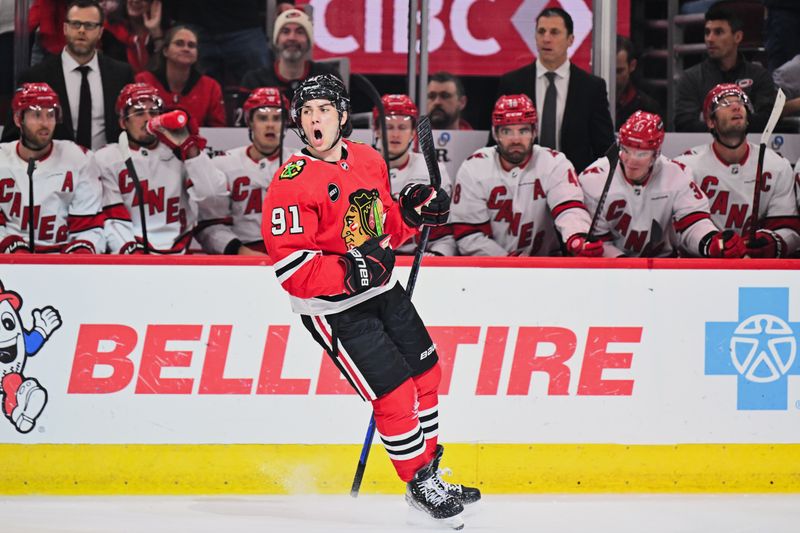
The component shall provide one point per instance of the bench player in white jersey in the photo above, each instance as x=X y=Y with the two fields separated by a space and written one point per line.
x=67 y=198
x=517 y=197
x=726 y=171
x=407 y=166
x=248 y=171
x=653 y=208
x=174 y=172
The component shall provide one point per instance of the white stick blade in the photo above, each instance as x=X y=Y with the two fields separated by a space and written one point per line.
x=777 y=109
x=123 y=145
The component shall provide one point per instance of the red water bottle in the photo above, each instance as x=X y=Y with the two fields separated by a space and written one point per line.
x=174 y=120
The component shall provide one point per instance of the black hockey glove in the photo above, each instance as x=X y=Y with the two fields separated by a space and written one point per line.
x=767 y=243
x=368 y=265
x=722 y=244
x=419 y=205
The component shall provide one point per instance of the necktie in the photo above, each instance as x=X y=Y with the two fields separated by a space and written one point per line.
x=84 y=134
x=547 y=137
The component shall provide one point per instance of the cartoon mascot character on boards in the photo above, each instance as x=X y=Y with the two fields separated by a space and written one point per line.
x=23 y=398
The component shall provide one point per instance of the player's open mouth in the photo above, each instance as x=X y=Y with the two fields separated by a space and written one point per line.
x=318 y=135
x=8 y=350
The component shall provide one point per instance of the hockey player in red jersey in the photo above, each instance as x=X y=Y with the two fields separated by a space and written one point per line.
x=66 y=196
x=407 y=166
x=248 y=171
x=653 y=208
x=725 y=170
x=329 y=221
x=174 y=171
x=518 y=198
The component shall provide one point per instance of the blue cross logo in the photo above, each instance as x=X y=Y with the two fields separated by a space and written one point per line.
x=760 y=349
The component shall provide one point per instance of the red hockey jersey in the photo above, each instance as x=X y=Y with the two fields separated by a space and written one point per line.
x=314 y=212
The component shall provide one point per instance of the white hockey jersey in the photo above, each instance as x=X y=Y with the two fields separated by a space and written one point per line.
x=665 y=214
x=521 y=211
x=171 y=189
x=415 y=170
x=67 y=201
x=237 y=216
x=730 y=192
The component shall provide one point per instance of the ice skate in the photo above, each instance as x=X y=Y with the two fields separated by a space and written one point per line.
x=31 y=398
x=425 y=493
x=466 y=495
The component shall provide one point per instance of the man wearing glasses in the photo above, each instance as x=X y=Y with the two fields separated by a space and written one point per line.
x=86 y=82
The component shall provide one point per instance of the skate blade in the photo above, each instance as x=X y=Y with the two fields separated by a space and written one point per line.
x=416 y=517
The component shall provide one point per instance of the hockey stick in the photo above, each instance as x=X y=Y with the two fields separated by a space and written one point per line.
x=31 y=241
x=425 y=137
x=777 y=109
x=613 y=158
x=126 y=155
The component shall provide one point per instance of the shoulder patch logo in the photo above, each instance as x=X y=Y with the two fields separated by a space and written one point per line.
x=292 y=170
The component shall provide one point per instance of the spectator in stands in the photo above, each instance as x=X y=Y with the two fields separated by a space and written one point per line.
x=46 y=22
x=572 y=104
x=86 y=81
x=134 y=33
x=446 y=101
x=6 y=55
x=519 y=198
x=180 y=84
x=292 y=38
x=407 y=167
x=230 y=36
x=175 y=173
x=726 y=171
x=66 y=193
x=724 y=64
x=249 y=170
x=782 y=38
x=629 y=97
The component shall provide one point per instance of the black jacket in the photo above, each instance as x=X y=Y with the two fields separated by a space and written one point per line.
x=114 y=76
x=586 y=128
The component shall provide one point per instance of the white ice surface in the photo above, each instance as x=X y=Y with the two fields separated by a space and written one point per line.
x=389 y=514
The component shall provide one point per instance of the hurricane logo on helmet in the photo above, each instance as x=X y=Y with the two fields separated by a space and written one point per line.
x=262 y=97
x=396 y=105
x=643 y=131
x=513 y=109
x=134 y=95
x=36 y=96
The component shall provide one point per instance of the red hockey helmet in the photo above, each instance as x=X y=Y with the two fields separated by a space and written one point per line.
x=643 y=131
x=513 y=109
x=35 y=96
x=136 y=93
x=398 y=105
x=717 y=94
x=265 y=97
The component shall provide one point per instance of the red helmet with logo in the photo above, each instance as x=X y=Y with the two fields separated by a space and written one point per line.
x=265 y=97
x=135 y=93
x=718 y=93
x=397 y=105
x=643 y=131
x=513 y=109
x=35 y=96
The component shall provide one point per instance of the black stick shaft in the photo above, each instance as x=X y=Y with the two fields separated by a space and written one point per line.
x=757 y=191
x=140 y=195
x=613 y=158
x=31 y=233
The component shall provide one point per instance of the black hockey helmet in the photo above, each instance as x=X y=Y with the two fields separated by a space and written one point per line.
x=322 y=87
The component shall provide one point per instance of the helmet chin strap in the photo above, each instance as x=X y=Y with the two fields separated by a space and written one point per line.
x=717 y=138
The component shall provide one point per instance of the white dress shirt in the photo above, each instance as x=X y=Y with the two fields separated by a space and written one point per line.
x=72 y=77
x=562 y=83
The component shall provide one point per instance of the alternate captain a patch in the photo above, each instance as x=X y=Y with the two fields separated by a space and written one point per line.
x=363 y=219
x=292 y=170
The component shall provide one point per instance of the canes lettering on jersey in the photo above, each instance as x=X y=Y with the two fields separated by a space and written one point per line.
x=664 y=214
x=729 y=188
x=67 y=213
x=519 y=211
x=311 y=227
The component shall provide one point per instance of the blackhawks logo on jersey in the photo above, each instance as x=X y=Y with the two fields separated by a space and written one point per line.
x=293 y=169
x=363 y=219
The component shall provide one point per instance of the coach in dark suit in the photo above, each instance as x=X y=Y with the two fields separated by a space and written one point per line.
x=95 y=87
x=572 y=105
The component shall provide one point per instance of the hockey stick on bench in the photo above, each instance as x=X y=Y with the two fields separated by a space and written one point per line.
x=425 y=138
x=613 y=158
x=777 y=109
x=126 y=155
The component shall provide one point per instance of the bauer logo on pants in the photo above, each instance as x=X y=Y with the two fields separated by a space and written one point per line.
x=23 y=397
x=760 y=349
